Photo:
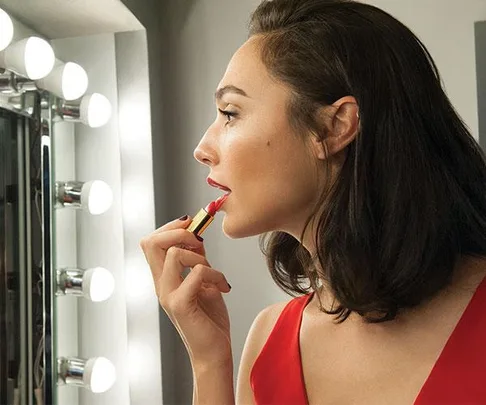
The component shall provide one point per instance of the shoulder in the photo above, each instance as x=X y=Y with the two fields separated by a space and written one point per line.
x=257 y=336
x=262 y=327
x=267 y=318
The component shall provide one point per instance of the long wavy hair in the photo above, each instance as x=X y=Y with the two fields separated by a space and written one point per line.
x=411 y=195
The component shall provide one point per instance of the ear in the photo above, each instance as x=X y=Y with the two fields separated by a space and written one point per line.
x=341 y=120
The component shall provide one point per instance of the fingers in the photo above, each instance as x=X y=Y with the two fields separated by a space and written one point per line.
x=156 y=245
x=200 y=275
x=182 y=222
x=164 y=240
x=176 y=261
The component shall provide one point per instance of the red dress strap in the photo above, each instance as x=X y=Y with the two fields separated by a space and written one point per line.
x=459 y=375
x=276 y=377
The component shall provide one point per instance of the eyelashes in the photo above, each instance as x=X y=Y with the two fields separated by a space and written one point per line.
x=230 y=115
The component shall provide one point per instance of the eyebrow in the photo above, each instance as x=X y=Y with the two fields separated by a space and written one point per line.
x=229 y=89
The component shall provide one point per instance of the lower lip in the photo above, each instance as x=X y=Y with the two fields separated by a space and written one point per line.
x=226 y=196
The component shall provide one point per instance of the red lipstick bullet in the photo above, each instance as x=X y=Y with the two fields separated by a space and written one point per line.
x=205 y=216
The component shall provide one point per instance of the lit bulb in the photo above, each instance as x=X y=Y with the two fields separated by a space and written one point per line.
x=6 y=30
x=96 y=197
x=98 y=284
x=31 y=57
x=68 y=81
x=95 y=110
x=99 y=374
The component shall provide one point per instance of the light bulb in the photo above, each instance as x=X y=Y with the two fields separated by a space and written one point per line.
x=99 y=374
x=39 y=58
x=31 y=57
x=96 y=197
x=98 y=284
x=95 y=110
x=6 y=30
x=68 y=81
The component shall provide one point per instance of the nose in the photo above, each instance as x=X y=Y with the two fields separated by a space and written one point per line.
x=205 y=151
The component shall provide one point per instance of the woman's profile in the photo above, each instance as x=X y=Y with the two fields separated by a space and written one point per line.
x=335 y=141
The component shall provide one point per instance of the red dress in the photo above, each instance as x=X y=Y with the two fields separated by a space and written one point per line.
x=457 y=378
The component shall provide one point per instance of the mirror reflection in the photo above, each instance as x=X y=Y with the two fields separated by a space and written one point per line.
x=260 y=202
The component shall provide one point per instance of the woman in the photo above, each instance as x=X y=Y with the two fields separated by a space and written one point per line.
x=338 y=143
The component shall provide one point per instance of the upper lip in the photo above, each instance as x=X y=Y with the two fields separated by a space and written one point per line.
x=213 y=183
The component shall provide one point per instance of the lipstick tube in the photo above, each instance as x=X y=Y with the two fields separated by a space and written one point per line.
x=200 y=222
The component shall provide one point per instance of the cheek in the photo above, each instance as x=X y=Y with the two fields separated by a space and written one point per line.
x=244 y=155
x=272 y=184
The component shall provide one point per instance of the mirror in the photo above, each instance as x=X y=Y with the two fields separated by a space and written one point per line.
x=100 y=114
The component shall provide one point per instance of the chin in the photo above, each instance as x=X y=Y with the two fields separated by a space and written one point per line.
x=243 y=229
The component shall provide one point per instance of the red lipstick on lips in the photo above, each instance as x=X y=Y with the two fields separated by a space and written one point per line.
x=205 y=216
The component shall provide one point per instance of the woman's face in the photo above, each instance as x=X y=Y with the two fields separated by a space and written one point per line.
x=251 y=149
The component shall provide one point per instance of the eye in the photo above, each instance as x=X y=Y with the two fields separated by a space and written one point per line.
x=228 y=114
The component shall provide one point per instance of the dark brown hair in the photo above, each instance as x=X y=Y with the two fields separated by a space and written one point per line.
x=411 y=196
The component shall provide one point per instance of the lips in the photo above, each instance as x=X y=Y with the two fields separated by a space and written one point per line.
x=213 y=183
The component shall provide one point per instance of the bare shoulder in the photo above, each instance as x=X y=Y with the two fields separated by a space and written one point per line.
x=262 y=327
x=257 y=336
x=266 y=319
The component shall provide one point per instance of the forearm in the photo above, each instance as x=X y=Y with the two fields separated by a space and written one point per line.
x=213 y=384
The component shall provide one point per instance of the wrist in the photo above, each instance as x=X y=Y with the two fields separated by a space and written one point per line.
x=213 y=382
x=223 y=364
x=220 y=357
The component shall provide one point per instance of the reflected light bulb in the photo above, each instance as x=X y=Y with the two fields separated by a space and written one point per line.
x=39 y=58
x=95 y=110
x=98 y=284
x=99 y=374
x=68 y=81
x=6 y=30
x=96 y=197
x=74 y=81
x=31 y=57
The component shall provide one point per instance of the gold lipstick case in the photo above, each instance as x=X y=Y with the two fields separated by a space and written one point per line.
x=200 y=222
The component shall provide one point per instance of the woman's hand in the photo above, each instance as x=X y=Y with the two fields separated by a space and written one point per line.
x=195 y=304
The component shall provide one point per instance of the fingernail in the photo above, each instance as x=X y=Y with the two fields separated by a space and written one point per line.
x=229 y=285
x=183 y=218
x=199 y=238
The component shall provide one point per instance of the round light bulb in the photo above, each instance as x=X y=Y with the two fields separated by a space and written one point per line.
x=31 y=57
x=6 y=30
x=39 y=58
x=96 y=197
x=68 y=81
x=99 y=374
x=74 y=81
x=98 y=284
x=95 y=110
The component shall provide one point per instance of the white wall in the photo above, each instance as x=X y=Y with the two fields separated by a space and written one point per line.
x=144 y=341
x=198 y=40
x=447 y=29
